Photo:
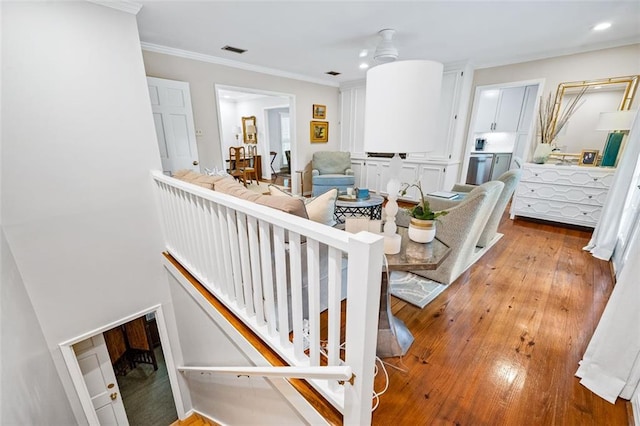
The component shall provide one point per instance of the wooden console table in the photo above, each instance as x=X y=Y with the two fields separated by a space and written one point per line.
x=394 y=338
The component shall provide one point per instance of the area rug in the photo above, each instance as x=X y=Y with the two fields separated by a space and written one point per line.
x=413 y=288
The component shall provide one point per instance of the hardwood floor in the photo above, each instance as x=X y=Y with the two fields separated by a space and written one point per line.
x=146 y=394
x=501 y=345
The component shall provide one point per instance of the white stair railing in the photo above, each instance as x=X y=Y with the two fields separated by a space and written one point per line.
x=343 y=373
x=278 y=273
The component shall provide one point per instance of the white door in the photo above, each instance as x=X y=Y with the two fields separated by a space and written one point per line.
x=173 y=119
x=95 y=364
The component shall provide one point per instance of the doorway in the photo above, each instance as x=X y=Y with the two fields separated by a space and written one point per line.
x=501 y=129
x=273 y=135
x=124 y=372
x=279 y=141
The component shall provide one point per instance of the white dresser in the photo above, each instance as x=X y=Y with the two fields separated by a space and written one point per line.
x=567 y=194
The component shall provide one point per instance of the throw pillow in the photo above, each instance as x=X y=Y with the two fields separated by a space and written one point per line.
x=320 y=209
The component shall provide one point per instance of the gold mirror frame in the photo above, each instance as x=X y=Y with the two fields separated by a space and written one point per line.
x=248 y=137
x=625 y=104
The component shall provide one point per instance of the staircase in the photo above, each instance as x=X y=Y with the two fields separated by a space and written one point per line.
x=195 y=420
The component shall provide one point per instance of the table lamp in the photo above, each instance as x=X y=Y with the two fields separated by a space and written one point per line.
x=618 y=123
x=401 y=110
x=251 y=133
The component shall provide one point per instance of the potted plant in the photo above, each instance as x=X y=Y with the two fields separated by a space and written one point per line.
x=422 y=226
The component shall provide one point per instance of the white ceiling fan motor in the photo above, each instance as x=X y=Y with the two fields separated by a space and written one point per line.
x=386 y=51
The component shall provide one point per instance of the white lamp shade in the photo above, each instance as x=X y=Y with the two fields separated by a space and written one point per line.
x=401 y=109
x=251 y=129
x=618 y=120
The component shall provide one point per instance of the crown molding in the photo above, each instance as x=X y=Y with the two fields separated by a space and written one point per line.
x=150 y=47
x=557 y=52
x=121 y=5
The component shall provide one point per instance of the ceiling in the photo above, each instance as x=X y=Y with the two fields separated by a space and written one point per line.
x=305 y=39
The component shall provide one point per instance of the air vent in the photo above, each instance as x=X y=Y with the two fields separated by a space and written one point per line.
x=234 y=49
x=332 y=73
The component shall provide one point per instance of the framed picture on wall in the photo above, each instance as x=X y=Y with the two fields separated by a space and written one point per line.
x=588 y=157
x=319 y=131
x=319 y=112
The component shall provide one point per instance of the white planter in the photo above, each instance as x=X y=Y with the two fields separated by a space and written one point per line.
x=422 y=231
x=542 y=153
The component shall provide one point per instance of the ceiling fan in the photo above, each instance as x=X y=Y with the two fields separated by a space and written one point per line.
x=383 y=52
x=386 y=51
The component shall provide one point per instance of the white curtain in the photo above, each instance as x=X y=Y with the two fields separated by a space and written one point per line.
x=611 y=364
x=605 y=235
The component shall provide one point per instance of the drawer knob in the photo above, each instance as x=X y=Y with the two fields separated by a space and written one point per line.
x=535 y=174
x=584 y=213
x=532 y=190
x=528 y=205
x=595 y=179
x=590 y=196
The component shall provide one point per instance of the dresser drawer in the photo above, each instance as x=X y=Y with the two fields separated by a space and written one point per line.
x=569 y=175
x=577 y=214
x=570 y=194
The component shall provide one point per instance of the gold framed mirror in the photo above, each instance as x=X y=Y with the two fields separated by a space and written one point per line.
x=249 y=130
x=602 y=95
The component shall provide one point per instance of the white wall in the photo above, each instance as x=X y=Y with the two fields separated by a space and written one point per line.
x=230 y=119
x=615 y=62
x=78 y=142
x=31 y=391
x=202 y=76
x=227 y=399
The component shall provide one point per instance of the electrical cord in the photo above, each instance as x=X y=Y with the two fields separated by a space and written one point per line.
x=323 y=343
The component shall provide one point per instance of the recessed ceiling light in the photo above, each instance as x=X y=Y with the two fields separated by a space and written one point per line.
x=364 y=66
x=602 y=26
x=363 y=53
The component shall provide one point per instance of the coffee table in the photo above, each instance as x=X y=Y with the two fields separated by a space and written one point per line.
x=370 y=207
x=394 y=338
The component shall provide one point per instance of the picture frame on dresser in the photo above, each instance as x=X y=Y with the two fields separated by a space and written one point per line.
x=589 y=157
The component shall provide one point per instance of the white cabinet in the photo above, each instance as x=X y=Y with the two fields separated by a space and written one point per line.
x=352 y=101
x=499 y=109
x=501 y=163
x=456 y=89
x=432 y=178
x=566 y=194
x=358 y=166
x=373 y=174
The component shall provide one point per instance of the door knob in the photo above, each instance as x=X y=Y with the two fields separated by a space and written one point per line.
x=195 y=162
x=114 y=396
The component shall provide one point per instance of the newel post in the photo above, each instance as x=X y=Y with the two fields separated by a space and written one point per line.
x=366 y=251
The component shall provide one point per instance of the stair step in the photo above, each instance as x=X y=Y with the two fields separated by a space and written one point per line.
x=195 y=420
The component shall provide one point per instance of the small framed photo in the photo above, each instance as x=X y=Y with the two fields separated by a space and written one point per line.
x=319 y=112
x=319 y=131
x=588 y=157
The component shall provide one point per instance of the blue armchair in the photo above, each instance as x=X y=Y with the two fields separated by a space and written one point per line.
x=331 y=169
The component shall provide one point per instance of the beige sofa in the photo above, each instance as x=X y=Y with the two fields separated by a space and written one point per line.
x=228 y=185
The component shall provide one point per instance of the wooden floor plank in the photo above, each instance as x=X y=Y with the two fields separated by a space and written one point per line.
x=501 y=345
